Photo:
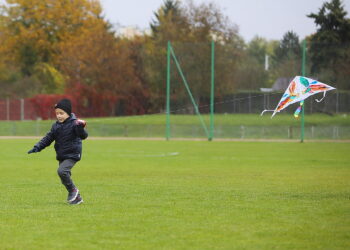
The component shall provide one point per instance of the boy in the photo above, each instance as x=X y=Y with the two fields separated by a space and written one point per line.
x=67 y=132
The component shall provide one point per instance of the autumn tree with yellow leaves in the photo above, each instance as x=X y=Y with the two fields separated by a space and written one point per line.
x=57 y=46
x=32 y=33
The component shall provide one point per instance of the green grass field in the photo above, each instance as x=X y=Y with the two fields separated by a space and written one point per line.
x=178 y=195
x=231 y=126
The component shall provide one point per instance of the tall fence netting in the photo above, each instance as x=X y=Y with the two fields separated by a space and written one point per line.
x=244 y=86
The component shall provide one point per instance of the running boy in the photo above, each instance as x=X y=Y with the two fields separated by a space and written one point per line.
x=67 y=132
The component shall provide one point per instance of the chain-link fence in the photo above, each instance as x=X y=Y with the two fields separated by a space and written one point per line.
x=336 y=102
x=284 y=132
x=246 y=82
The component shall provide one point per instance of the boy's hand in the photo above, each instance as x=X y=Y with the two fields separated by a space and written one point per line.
x=33 y=150
x=80 y=123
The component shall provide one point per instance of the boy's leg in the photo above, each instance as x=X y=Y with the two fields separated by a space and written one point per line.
x=64 y=172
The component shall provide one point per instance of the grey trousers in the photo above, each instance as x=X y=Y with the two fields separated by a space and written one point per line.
x=64 y=172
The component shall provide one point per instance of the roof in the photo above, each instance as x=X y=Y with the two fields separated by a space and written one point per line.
x=281 y=84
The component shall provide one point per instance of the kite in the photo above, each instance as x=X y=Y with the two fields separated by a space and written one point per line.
x=298 y=90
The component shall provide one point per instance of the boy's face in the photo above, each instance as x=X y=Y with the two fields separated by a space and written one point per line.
x=61 y=115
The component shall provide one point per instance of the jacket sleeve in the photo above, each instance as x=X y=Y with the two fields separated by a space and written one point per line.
x=80 y=132
x=46 y=140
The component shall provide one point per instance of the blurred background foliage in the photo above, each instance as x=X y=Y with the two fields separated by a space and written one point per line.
x=63 y=47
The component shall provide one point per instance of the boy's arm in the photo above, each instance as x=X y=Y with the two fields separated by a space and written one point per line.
x=79 y=129
x=44 y=142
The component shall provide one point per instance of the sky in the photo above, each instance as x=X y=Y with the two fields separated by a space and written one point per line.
x=269 y=19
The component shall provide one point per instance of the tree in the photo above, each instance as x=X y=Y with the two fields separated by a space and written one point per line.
x=329 y=46
x=171 y=11
x=101 y=67
x=169 y=25
x=258 y=49
x=190 y=28
x=289 y=47
x=31 y=33
x=286 y=59
x=66 y=46
x=208 y=23
x=252 y=69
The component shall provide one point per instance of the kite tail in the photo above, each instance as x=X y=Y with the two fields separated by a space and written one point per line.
x=324 y=95
x=266 y=110
x=297 y=111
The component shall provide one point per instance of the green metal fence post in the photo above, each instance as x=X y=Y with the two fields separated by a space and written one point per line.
x=303 y=107
x=211 y=134
x=189 y=91
x=167 y=135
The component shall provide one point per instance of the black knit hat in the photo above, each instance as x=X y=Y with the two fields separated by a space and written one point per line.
x=65 y=105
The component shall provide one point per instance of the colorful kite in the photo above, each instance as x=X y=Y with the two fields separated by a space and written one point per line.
x=298 y=90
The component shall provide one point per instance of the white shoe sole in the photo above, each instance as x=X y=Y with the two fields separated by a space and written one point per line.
x=79 y=202
x=74 y=196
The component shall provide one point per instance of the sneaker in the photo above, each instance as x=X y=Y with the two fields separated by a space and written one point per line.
x=77 y=201
x=72 y=195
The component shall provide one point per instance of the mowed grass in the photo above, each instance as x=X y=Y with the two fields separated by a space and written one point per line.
x=178 y=195
x=282 y=119
x=242 y=126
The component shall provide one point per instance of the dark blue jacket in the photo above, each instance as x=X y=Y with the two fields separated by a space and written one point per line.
x=67 y=137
